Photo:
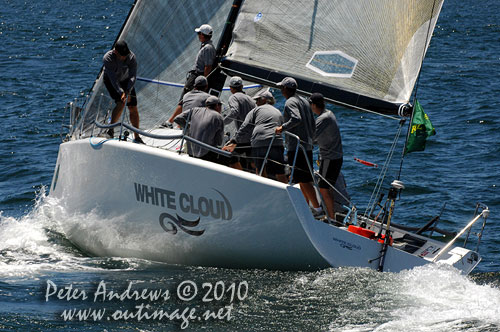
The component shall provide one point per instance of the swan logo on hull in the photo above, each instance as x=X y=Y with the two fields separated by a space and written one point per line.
x=198 y=205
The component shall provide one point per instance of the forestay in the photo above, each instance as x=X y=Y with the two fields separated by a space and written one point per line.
x=362 y=53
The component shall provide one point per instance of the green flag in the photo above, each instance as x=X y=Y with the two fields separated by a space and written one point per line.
x=421 y=128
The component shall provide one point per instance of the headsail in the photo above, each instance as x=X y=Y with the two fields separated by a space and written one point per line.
x=161 y=34
x=365 y=54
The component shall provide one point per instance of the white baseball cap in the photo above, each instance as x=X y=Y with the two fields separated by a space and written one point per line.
x=205 y=29
x=235 y=82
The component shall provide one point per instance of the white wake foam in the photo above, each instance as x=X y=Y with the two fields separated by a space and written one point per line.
x=426 y=299
x=34 y=245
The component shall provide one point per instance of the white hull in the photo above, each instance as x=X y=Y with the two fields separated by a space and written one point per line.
x=125 y=199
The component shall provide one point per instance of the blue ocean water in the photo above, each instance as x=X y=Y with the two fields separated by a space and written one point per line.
x=51 y=53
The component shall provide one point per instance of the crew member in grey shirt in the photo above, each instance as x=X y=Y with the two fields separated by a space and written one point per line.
x=120 y=71
x=299 y=121
x=194 y=98
x=205 y=58
x=206 y=125
x=259 y=128
x=327 y=136
x=239 y=105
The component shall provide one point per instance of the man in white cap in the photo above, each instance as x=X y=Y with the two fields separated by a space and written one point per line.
x=259 y=126
x=194 y=98
x=206 y=125
x=205 y=58
x=239 y=105
x=299 y=121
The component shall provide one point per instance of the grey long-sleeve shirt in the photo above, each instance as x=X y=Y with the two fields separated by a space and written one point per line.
x=327 y=136
x=239 y=106
x=205 y=56
x=259 y=126
x=194 y=98
x=299 y=120
x=206 y=125
x=119 y=71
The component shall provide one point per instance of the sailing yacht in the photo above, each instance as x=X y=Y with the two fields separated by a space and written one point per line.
x=113 y=197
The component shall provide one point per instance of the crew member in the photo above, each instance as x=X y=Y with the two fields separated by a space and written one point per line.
x=239 y=105
x=194 y=98
x=327 y=136
x=299 y=121
x=259 y=127
x=205 y=58
x=120 y=71
x=206 y=125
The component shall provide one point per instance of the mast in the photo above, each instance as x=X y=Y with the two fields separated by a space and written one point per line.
x=216 y=78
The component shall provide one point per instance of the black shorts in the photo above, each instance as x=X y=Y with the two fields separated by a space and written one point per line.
x=329 y=169
x=301 y=172
x=189 y=85
x=242 y=153
x=116 y=96
x=275 y=160
x=216 y=158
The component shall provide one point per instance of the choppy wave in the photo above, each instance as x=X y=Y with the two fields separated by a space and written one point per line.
x=34 y=245
x=424 y=299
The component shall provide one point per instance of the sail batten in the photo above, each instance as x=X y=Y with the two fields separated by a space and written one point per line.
x=368 y=53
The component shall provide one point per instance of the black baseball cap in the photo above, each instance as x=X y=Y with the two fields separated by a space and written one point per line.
x=122 y=48
x=317 y=99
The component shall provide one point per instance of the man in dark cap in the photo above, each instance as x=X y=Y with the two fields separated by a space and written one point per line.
x=206 y=125
x=194 y=98
x=239 y=105
x=120 y=71
x=204 y=59
x=327 y=136
x=258 y=127
x=299 y=120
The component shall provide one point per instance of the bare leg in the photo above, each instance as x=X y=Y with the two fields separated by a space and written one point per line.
x=236 y=165
x=329 y=202
x=177 y=111
x=134 y=118
x=117 y=112
x=309 y=193
x=264 y=174
x=281 y=178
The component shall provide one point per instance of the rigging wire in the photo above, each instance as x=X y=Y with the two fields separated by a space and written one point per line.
x=383 y=172
x=416 y=88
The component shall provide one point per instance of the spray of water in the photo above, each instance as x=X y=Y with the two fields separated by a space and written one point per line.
x=34 y=245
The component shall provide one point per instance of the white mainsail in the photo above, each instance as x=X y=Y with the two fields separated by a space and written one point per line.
x=372 y=49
